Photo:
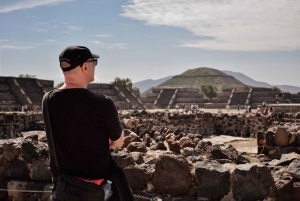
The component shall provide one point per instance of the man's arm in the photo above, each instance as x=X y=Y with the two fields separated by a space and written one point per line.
x=118 y=143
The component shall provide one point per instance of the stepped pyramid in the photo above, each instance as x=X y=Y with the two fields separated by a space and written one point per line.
x=194 y=78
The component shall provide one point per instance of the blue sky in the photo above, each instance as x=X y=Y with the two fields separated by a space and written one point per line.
x=152 y=39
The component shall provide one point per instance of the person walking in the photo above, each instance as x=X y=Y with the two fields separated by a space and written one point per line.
x=85 y=126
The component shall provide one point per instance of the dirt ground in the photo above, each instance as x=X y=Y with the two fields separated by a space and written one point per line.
x=248 y=145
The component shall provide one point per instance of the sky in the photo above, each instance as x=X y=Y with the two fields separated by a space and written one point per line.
x=152 y=39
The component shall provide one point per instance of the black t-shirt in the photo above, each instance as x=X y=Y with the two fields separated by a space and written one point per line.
x=82 y=122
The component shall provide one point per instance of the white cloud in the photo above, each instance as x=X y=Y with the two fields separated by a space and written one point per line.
x=110 y=45
x=102 y=36
x=17 y=47
x=51 y=41
x=75 y=28
x=39 y=30
x=249 y=25
x=27 y=4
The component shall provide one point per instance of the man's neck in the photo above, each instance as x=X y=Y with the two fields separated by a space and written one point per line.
x=70 y=85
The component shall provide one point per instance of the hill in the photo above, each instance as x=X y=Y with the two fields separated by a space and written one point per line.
x=251 y=82
x=147 y=84
x=194 y=78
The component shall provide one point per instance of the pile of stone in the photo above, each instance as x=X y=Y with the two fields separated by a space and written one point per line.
x=171 y=161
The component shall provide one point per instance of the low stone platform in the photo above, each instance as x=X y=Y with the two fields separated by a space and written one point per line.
x=285 y=107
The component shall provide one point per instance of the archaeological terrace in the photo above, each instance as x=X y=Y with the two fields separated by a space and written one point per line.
x=15 y=92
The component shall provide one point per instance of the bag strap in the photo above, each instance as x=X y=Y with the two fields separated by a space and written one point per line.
x=48 y=129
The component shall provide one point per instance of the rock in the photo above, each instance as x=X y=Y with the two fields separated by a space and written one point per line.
x=261 y=138
x=29 y=151
x=134 y=137
x=139 y=176
x=183 y=140
x=174 y=146
x=17 y=185
x=298 y=139
x=251 y=182
x=127 y=141
x=18 y=170
x=270 y=139
x=223 y=152
x=172 y=175
x=126 y=132
x=202 y=145
x=11 y=149
x=294 y=169
x=147 y=140
x=286 y=159
x=292 y=137
x=297 y=115
x=283 y=183
x=212 y=180
x=281 y=137
x=40 y=171
x=189 y=151
x=137 y=146
x=240 y=159
x=159 y=138
x=137 y=157
x=188 y=143
x=123 y=159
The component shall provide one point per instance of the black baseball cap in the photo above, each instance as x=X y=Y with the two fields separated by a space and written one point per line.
x=75 y=56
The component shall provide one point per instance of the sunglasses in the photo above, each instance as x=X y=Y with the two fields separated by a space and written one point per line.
x=95 y=61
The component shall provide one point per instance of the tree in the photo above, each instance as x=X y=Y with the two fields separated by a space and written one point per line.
x=276 y=89
x=136 y=91
x=209 y=90
x=27 y=76
x=59 y=85
x=121 y=81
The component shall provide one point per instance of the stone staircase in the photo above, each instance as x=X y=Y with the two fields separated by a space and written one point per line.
x=8 y=100
x=130 y=98
x=239 y=98
x=164 y=98
x=31 y=88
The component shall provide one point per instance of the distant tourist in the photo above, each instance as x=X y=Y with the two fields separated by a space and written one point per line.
x=238 y=107
x=228 y=108
x=271 y=110
x=265 y=112
x=258 y=110
x=249 y=110
x=264 y=104
x=177 y=107
x=277 y=99
x=183 y=106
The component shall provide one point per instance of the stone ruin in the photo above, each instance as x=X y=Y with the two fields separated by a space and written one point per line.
x=168 y=156
x=167 y=97
x=17 y=92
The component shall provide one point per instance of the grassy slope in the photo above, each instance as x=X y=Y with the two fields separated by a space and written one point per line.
x=189 y=79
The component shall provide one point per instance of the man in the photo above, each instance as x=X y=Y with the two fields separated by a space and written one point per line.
x=264 y=104
x=85 y=125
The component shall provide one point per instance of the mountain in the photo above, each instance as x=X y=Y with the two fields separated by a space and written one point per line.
x=194 y=78
x=249 y=81
x=147 y=84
